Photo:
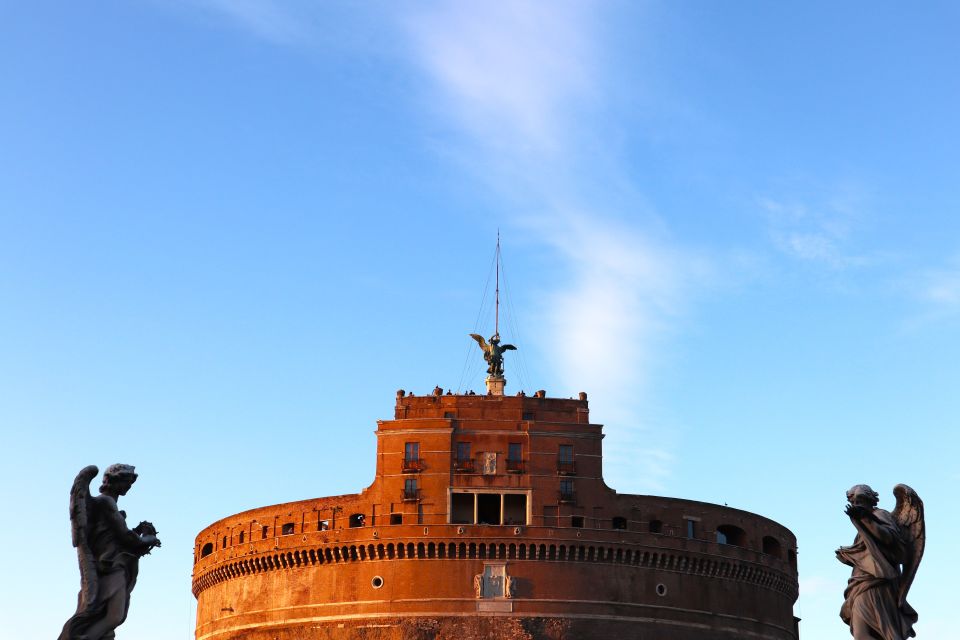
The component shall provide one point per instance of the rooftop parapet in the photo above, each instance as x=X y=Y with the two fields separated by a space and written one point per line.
x=536 y=408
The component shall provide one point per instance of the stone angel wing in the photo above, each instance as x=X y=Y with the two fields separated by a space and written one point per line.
x=909 y=515
x=79 y=520
x=480 y=341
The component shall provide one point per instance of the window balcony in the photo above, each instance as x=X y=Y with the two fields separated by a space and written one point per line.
x=464 y=465
x=413 y=465
x=410 y=495
x=567 y=497
x=516 y=466
x=567 y=468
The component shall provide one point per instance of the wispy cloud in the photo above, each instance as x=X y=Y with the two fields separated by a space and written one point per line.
x=286 y=22
x=937 y=290
x=523 y=84
x=520 y=91
x=816 y=229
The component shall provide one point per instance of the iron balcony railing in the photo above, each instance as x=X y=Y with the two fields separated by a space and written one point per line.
x=515 y=466
x=413 y=465
x=567 y=497
x=464 y=465
x=410 y=495
x=567 y=468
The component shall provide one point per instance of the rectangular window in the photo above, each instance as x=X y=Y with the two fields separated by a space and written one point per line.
x=691 y=529
x=396 y=518
x=463 y=451
x=565 y=465
x=576 y=521
x=514 y=508
x=323 y=525
x=411 y=457
x=411 y=451
x=566 y=491
x=410 y=489
x=264 y=531
x=287 y=529
x=515 y=457
x=461 y=505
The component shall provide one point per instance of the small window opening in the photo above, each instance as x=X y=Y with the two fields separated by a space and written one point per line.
x=619 y=522
x=206 y=550
x=287 y=529
x=576 y=521
x=655 y=526
x=729 y=534
x=396 y=518
x=241 y=537
x=323 y=525
x=224 y=545
x=691 y=528
x=356 y=519
x=264 y=531
x=771 y=546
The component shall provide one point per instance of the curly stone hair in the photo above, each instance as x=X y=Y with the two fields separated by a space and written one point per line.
x=115 y=471
x=865 y=489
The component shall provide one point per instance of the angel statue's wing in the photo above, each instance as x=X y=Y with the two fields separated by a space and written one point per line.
x=79 y=504
x=480 y=341
x=909 y=515
x=507 y=347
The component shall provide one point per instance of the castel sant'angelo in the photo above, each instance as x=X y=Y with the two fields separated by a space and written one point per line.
x=489 y=518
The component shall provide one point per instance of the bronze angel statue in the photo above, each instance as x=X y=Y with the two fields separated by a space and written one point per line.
x=109 y=553
x=884 y=556
x=493 y=353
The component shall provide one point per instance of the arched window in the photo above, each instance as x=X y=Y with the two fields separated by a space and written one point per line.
x=241 y=537
x=771 y=546
x=206 y=550
x=732 y=535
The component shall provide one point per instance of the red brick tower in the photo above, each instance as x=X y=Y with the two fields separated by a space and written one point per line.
x=489 y=518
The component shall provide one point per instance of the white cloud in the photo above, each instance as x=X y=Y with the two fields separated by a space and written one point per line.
x=940 y=288
x=820 y=231
x=523 y=85
x=520 y=85
x=277 y=21
x=509 y=72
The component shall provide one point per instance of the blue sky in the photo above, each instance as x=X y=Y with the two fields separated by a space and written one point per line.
x=231 y=229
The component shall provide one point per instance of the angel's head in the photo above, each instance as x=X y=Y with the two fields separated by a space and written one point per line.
x=118 y=478
x=863 y=495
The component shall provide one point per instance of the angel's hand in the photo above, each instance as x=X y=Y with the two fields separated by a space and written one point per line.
x=855 y=511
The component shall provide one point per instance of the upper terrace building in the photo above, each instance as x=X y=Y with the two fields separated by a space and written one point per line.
x=489 y=518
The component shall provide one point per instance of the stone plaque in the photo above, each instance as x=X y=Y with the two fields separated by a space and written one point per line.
x=489 y=464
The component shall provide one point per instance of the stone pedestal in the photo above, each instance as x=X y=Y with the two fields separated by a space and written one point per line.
x=495 y=385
